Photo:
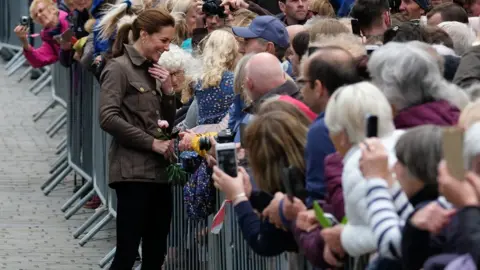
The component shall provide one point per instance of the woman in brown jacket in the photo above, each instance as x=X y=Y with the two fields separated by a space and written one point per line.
x=135 y=94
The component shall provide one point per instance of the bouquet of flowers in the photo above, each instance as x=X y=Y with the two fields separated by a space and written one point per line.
x=176 y=174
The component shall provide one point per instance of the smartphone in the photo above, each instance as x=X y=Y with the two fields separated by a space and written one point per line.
x=243 y=126
x=288 y=184
x=452 y=146
x=64 y=37
x=355 y=27
x=371 y=128
x=227 y=158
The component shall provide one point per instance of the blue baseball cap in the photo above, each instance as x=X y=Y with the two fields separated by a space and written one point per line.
x=266 y=27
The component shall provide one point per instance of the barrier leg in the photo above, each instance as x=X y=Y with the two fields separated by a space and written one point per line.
x=95 y=229
x=62 y=144
x=62 y=148
x=79 y=204
x=42 y=86
x=76 y=196
x=57 y=180
x=16 y=66
x=64 y=166
x=98 y=213
x=103 y=262
x=25 y=74
x=58 y=127
x=55 y=122
x=39 y=114
x=14 y=59
x=40 y=79
x=59 y=163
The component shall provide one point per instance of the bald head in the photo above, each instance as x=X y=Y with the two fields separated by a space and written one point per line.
x=263 y=73
x=293 y=30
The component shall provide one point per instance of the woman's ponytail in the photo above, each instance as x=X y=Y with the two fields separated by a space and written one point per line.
x=122 y=38
x=108 y=22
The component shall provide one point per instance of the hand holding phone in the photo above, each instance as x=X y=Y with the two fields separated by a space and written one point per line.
x=452 y=146
x=371 y=129
x=226 y=154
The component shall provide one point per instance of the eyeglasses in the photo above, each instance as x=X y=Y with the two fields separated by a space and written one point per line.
x=177 y=73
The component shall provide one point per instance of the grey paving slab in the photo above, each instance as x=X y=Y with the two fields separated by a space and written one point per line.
x=33 y=231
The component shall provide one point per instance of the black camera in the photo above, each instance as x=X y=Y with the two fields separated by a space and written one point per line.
x=213 y=8
x=24 y=21
x=224 y=136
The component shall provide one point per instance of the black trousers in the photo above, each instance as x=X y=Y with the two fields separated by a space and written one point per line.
x=144 y=212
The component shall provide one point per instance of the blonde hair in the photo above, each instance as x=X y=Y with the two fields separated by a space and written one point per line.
x=327 y=27
x=48 y=4
x=470 y=115
x=113 y=14
x=182 y=6
x=239 y=77
x=323 y=8
x=275 y=139
x=181 y=28
x=177 y=59
x=346 y=41
x=242 y=17
x=219 y=54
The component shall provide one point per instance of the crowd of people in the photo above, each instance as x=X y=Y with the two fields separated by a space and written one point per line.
x=291 y=84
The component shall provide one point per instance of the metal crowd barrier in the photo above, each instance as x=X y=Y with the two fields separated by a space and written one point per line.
x=84 y=151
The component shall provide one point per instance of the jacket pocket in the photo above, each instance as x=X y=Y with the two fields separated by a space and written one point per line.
x=134 y=165
x=143 y=97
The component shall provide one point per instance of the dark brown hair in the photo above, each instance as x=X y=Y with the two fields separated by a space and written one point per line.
x=151 y=21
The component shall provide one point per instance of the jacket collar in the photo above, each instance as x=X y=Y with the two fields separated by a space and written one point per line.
x=288 y=88
x=134 y=56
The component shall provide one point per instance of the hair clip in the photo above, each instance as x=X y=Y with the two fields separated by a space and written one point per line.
x=128 y=2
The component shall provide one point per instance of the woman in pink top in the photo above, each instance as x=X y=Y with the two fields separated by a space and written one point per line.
x=54 y=22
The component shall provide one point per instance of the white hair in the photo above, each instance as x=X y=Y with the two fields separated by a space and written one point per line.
x=444 y=50
x=471 y=145
x=462 y=35
x=410 y=76
x=349 y=105
x=178 y=59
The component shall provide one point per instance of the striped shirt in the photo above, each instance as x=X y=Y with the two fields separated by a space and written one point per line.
x=388 y=209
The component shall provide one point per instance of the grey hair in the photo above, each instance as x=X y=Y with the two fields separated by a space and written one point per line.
x=239 y=76
x=420 y=151
x=462 y=35
x=429 y=49
x=178 y=59
x=473 y=91
x=409 y=76
x=361 y=99
x=471 y=145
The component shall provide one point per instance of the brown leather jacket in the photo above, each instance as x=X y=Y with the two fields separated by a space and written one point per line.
x=131 y=103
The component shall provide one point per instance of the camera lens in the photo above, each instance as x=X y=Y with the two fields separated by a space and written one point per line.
x=204 y=143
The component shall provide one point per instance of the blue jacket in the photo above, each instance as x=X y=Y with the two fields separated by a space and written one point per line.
x=99 y=45
x=262 y=237
x=318 y=147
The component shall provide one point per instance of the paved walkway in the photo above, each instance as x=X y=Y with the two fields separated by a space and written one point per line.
x=33 y=231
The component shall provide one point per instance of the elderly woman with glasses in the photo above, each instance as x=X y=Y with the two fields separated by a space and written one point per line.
x=54 y=22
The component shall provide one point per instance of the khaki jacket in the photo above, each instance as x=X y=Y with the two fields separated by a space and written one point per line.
x=131 y=103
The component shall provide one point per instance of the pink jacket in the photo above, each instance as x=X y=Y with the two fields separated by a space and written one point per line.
x=49 y=51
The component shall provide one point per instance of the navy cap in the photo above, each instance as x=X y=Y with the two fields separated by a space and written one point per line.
x=423 y=4
x=266 y=27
